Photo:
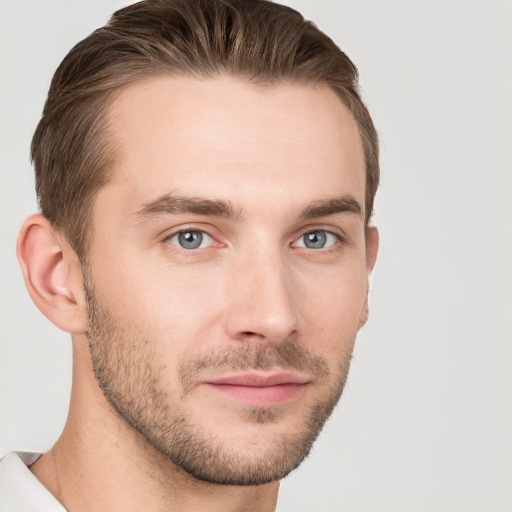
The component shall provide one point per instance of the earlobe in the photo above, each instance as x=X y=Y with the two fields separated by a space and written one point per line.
x=52 y=274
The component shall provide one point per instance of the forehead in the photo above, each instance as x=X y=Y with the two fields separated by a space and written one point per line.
x=230 y=139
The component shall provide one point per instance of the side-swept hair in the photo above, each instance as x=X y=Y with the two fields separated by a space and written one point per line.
x=255 y=40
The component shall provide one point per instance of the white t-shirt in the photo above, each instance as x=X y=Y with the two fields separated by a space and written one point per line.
x=20 y=490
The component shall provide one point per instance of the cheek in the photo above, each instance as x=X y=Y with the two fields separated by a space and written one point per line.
x=180 y=308
x=168 y=303
x=332 y=309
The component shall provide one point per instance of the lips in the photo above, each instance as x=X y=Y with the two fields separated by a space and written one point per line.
x=259 y=389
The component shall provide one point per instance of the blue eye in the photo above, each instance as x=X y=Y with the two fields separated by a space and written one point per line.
x=319 y=239
x=191 y=239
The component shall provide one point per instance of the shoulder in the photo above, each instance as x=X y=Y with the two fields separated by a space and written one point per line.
x=20 y=490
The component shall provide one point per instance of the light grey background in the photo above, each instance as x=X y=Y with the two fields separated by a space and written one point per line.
x=426 y=420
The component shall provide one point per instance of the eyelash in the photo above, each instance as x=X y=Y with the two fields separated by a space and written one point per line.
x=336 y=246
x=189 y=252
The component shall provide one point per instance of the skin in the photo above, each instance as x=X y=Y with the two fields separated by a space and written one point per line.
x=252 y=288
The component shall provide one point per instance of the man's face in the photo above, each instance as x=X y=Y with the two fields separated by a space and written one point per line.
x=227 y=277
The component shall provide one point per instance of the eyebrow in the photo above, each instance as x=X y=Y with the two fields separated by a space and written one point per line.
x=331 y=206
x=176 y=204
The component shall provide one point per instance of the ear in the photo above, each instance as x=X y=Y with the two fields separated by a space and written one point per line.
x=372 y=248
x=52 y=274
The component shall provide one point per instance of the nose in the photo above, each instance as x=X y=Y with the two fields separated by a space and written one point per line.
x=261 y=300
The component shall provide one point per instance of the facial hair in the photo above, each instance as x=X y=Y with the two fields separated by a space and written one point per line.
x=129 y=372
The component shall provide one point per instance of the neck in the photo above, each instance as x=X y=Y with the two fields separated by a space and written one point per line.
x=100 y=463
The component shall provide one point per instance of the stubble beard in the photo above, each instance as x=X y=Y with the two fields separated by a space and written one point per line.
x=129 y=374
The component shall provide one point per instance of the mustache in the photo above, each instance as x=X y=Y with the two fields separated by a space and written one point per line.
x=287 y=356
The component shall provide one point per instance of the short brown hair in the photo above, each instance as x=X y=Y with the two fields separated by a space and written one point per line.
x=255 y=40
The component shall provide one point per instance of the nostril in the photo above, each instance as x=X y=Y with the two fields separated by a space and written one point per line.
x=250 y=334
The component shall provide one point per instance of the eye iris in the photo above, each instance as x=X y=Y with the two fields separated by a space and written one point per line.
x=315 y=240
x=190 y=239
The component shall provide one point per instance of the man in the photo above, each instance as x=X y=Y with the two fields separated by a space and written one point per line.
x=206 y=173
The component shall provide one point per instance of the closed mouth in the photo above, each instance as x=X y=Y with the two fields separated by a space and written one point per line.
x=260 y=389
